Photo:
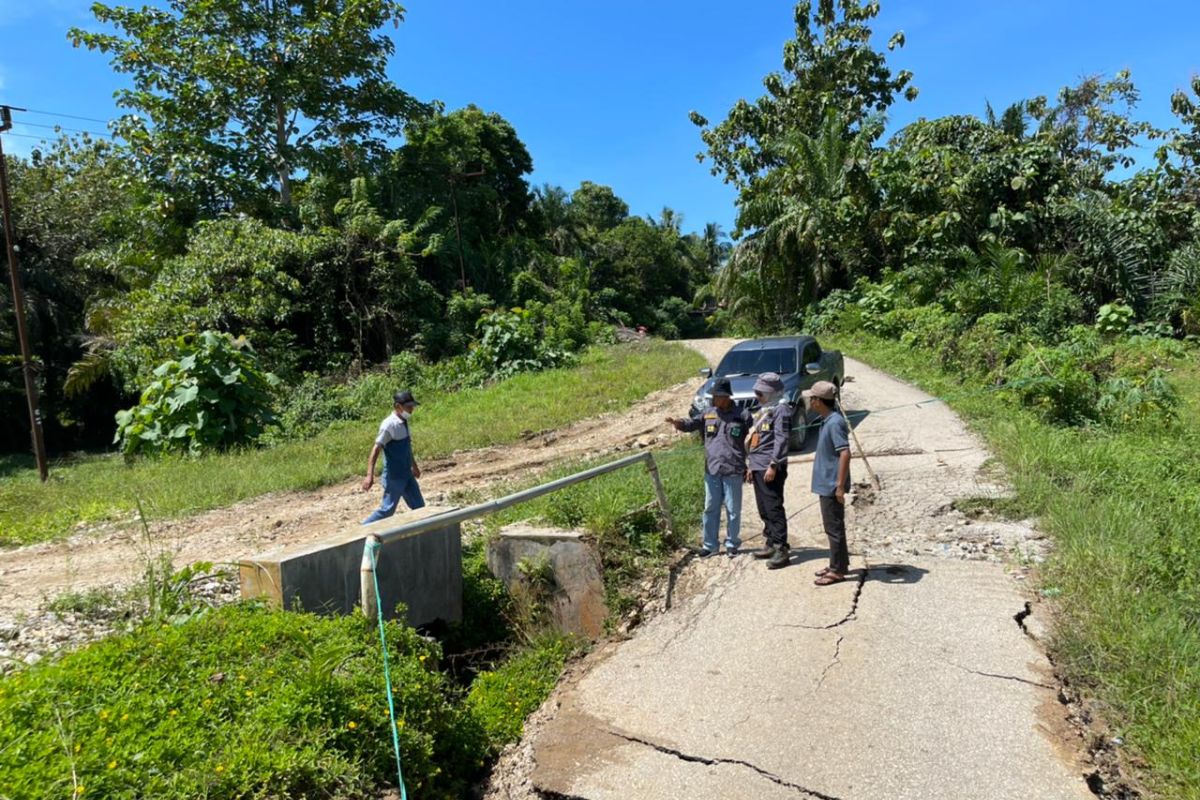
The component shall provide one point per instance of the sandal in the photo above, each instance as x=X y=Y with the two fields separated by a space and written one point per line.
x=829 y=578
x=821 y=571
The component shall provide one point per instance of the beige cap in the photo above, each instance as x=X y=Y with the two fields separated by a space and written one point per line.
x=822 y=389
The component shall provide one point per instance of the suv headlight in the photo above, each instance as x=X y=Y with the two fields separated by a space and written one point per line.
x=699 y=402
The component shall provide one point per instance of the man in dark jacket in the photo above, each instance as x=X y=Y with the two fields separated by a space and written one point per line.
x=725 y=429
x=767 y=467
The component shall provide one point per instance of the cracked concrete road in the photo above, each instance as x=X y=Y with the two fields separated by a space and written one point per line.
x=912 y=681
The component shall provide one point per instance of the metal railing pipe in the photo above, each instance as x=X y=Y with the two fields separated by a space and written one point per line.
x=379 y=538
x=501 y=503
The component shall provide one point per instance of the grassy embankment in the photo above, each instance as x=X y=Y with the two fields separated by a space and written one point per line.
x=1123 y=508
x=96 y=489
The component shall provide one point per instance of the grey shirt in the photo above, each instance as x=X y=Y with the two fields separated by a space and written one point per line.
x=769 y=437
x=724 y=439
x=831 y=441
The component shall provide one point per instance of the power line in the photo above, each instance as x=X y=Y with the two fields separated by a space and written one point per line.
x=66 y=116
x=62 y=128
x=27 y=136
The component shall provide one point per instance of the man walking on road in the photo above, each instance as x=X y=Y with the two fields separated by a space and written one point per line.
x=768 y=466
x=400 y=470
x=831 y=479
x=725 y=430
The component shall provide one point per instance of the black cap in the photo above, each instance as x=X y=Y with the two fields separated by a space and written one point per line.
x=721 y=386
x=404 y=398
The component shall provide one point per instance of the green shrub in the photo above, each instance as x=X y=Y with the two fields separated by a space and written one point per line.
x=874 y=302
x=1114 y=318
x=501 y=699
x=309 y=407
x=212 y=397
x=827 y=314
x=509 y=342
x=1085 y=380
x=240 y=703
x=986 y=348
x=407 y=370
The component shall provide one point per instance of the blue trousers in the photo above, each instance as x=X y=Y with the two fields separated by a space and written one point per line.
x=394 y=490
x=722 y=490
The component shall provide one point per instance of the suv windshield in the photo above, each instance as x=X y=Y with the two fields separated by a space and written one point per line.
x=754 y=362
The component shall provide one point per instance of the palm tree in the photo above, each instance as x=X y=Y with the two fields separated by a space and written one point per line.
x=553 y=205
x=801 y=244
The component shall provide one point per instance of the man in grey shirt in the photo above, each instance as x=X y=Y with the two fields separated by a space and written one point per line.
x=831 y=479
x=400 y=470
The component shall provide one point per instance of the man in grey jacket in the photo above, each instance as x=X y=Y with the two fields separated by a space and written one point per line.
x=725 y=428
x=767 y=466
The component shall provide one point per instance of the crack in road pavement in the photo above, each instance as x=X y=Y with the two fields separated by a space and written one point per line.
x=732 y=761
x=837 y=652
x=850 y=615
x=1002 y=677
x=711 y=598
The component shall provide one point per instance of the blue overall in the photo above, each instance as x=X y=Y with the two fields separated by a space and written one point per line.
x=398 y=480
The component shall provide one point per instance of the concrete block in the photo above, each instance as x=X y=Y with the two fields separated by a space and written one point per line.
x=575 y=590
x=423 y=572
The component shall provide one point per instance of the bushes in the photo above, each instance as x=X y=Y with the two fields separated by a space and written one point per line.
x=1086 y=380
x=1087 y=375
x=509 y=342
x=501 y=699
x=213 y=396
x=240 y=703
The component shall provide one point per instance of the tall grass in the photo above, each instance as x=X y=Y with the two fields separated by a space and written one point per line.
x=1123 y=508
x=104 y=488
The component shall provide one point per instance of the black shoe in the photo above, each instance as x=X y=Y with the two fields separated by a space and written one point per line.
x=766 y=551
x=731 y=551
x=702 y=553
x=780 y=559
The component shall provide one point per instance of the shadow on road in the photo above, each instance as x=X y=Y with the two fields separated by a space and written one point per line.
x=895 y=573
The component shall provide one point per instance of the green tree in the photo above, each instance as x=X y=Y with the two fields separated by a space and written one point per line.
x=559 y=227
x=86 y=226
x=229 y=97
x=829 y=66
x=811 y=220
x=597 y=208
x=469 y=168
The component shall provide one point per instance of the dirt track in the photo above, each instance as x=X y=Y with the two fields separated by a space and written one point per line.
x=116 y=556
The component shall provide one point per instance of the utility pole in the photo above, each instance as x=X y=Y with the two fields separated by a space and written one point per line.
x=462 y=268
x=18 y=297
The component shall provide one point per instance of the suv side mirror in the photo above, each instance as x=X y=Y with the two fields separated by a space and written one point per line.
x=706 y=372
x=813 y=367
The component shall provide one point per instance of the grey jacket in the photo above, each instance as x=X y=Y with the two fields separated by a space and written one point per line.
x=724 y=439
x=769 y=437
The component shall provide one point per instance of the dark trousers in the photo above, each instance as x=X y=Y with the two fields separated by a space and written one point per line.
x=833 y=517
x=769 y=497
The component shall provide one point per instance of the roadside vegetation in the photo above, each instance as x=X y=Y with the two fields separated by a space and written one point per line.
x=1123 y=507
x=99 y=488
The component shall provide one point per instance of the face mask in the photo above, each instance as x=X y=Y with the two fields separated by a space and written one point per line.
x=769 y=400
x=405 y=415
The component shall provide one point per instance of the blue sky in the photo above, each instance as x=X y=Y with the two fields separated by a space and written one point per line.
x=602 y=91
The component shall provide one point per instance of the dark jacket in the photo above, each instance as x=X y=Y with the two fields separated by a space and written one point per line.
x=725 y=435
x=769 y=437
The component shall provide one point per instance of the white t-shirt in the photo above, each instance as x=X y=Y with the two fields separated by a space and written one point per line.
x=392 y=429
